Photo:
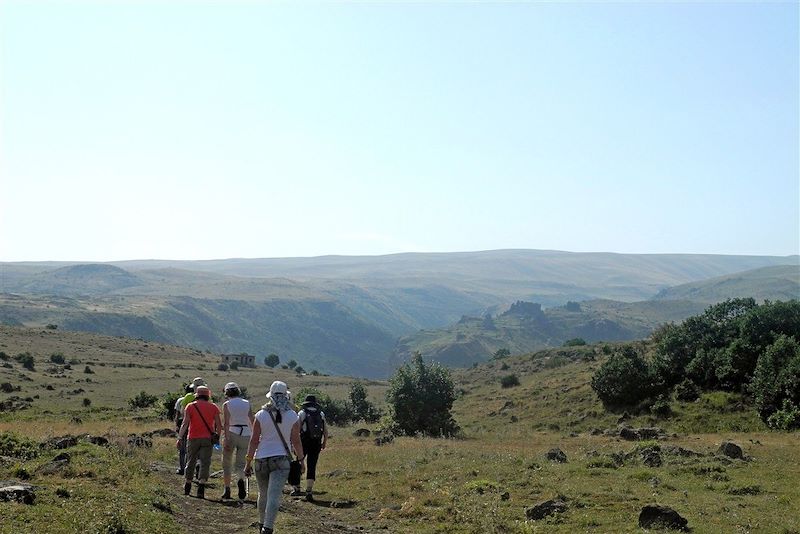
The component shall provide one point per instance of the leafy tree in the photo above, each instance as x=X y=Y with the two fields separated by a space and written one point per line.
x=271 y=360
x=299 y=370
x=292 y=364
x=777 y=377
x=363 y=409
x=26 y=359
x=499 y=354
x=623 y=380
x=420 y=397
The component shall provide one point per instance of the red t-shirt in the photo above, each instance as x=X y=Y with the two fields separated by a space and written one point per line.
x=196 y=427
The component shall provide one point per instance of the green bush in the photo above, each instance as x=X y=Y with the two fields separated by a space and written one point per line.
x=509 y=381
x=57 y=357
x=26 y=359
x=687 y=391
x=623 y=380
x=420 y=398
x=575 y=342
x=18 y=446
x=661 y=407
x=337 y=411
x=777 y=377
x=787 y=418
x=143 y=400
x=271 y=360
x=363 y=409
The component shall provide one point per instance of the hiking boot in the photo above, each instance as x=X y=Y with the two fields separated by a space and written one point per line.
x=201 y=491
x=227 y=493
x=309 y=496
x=187 y=488
x=179 y=471
x=242 y=490
x=296 y=492
x=265 y=530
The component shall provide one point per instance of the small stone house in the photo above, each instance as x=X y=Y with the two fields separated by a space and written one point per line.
x=243 y=360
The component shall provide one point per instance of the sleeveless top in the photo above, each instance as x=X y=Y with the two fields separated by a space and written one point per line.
x=270 y=443
x=238 y=421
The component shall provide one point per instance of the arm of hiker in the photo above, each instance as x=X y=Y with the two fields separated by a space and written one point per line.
x=183 y=430
x=251 y=448
x=297 y=445
x=226 y=415
x=324 y=432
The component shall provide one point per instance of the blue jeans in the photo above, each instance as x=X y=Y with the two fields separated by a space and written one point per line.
x=271 y=475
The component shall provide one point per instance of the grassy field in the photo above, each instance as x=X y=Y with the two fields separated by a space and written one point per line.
x=482 y=482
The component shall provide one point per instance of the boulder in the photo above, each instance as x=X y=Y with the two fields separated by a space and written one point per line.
x=97 y=440
x=556 y=455
x=362 y=433
x=731 y=450
x=22 y=493
x=61 y=442
x=654 y=516
x=134 y=440
x=382 y=440
x=651 y=458
x=542 y=510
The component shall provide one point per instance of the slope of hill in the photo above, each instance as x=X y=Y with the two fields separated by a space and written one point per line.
x=525 y=327
x=780 y=282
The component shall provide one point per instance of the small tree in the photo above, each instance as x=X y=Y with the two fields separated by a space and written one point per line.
x=777 y=377
x=299 y=370
x=271 y=360
x=362 y=408
x=292 y=364
x=623 y=380
x=420 y=397
x=87 y=402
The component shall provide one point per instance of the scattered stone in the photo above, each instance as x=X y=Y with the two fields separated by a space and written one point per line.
x=542 y=510
x=731 y=450
x=505 y=496
x=345 y=503
x=135 y=440
x=362 y=433
x=654 y=516
x=97 y=440
x=640 y=434
x=557 y=455
x=8 y=387
x=651 y=457
x=63 y=493
x=61 y=442
x=22 y=493
x=162 y=433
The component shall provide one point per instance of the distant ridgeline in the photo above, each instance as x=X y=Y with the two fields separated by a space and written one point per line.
x=364 y=315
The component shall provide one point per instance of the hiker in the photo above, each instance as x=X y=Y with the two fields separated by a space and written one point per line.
x=179 y=411
x=274 y=422
x=200 y=422
x=314 y=436
x=237 y=420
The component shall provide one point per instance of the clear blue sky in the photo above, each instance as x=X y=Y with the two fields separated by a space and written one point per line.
x=191 y=130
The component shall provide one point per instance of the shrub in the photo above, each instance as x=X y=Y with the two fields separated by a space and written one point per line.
x=142 y=400
x=272 y=360
x=52 y=326
x=18 y=446
x=234 y=366
x=87 y=402
x=777 y=377
x=623 y=380
x=509 y=381
x=575 y=342
x=57 y=357
x=88 y=370
x=420 y=398
x=26 y=359
x=787 y=418
x=499 y=354
x=661 y=407
x=299 y=370
x=362 y=408
x=687 y=391
x=504 y=367
x=3 y=356
x=291 y=364
x=222 y=367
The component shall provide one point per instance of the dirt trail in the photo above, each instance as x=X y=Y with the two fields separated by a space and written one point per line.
x=212 y=515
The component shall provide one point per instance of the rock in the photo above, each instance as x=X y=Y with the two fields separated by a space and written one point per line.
x=134 y=440
x=382 y=440
x=346 y=503
x=638 y=434
x=55 y=465
x=596 y=432
x=731 y=450
x=162 y=433
x=542 y=510
x=63 y=442
x=557 y=455
x=97 y=440
x=650 y=433
x=654 y=516
x=63 y=457
x=680 y=451
x=651 y=458
x=22 y=493
x=362 y=433
x=628 y=433
x=624 y=417
x=514 y=419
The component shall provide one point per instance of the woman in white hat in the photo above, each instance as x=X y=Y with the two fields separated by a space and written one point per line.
x=276 y=429
x=237 y=421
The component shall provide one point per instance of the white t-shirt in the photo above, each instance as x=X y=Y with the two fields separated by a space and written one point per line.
x=270 y=443
x=238 y=416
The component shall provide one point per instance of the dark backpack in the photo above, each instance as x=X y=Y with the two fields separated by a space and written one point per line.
x=314 y=424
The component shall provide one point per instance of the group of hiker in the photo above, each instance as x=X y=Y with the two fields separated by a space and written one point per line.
x=251 y=443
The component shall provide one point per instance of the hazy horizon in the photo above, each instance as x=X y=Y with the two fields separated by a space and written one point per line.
x=280 y=130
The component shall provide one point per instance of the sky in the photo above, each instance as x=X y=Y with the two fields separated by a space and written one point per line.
x=200 y=130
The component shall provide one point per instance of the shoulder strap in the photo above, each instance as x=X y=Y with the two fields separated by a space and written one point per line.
x=203 y=419
x=280 y=434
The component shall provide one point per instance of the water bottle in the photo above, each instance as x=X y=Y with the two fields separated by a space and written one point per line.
x=217 y=447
